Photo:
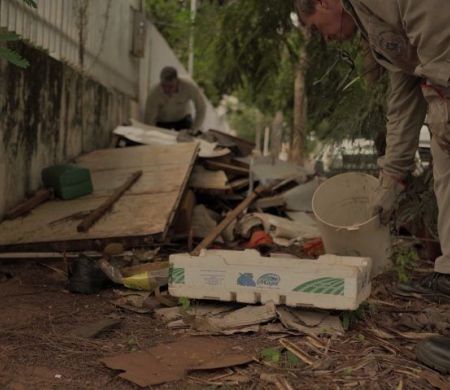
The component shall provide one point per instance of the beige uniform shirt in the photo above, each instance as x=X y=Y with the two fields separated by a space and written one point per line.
x=411 y=39
x=162 y=108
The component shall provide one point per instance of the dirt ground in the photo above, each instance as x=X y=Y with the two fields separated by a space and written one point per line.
x=38 y=351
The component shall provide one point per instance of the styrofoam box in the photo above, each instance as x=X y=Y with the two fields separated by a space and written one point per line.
x=330 y=282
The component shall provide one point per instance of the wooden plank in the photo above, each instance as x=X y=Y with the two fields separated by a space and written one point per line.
x=270 y=201
x=183 y=220
x=138 y=157
x=211 y=181
x=239 y=184
x=227 y=220
x=96 y=214
x=229 y=168
x=26 y=206
x=245 y=147
x=146 y=211
x=154 y=180
x=131 y=216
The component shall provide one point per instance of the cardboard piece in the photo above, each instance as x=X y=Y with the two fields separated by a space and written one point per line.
x=244 y=320
x=310 y=322
x=169 y=314
x=171 y=362
x=331 y=282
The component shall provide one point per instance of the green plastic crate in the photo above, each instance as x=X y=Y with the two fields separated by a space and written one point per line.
x=68 y=181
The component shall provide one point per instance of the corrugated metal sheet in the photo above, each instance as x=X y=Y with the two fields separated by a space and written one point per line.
x=55 y=27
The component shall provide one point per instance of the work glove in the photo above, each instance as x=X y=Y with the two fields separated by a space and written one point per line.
x=384 y=199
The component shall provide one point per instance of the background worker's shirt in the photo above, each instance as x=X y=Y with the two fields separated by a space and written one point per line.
x=162 y=108
x=411 y=39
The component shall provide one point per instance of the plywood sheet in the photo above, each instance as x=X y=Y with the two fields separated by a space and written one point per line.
x=146 y=209
x=139 y=157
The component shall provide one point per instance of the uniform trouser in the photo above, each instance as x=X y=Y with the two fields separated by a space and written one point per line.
x=441 y=173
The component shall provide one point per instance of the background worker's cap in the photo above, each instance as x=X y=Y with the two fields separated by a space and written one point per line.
x=168 y=74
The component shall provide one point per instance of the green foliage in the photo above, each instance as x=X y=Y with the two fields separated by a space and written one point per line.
x=14 y=58
x=254 y=43
x=173 y=20
x=404 y=258
x=9 y=36
x=185 y=304
x=292 y=360
x=417 y=207
x=351 y=317
x=250 y=49
x=10 y=55
x=280 y=357
x=340 y=103
x=246 y=120
x=31 y=3
x=272 y=355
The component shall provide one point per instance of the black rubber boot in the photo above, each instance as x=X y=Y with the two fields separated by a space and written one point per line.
x=434 y=352
x=434 y=286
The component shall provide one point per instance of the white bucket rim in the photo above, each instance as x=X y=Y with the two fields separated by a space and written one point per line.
x=340 y=227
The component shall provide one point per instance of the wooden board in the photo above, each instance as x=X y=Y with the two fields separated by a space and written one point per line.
x=204 y=180
x=147 y=209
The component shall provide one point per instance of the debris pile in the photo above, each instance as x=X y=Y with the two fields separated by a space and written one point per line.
x=201 y=233
x=239 y=227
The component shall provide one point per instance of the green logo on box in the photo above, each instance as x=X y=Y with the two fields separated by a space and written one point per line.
x=177 y=276
x=331 y=286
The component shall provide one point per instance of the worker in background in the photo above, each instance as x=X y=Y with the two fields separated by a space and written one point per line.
x=168 y=103
x=411 y=39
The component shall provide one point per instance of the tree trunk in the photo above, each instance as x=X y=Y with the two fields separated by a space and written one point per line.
x=298 y=135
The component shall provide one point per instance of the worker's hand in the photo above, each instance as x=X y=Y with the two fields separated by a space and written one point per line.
x=384 y=199
x=195 y=132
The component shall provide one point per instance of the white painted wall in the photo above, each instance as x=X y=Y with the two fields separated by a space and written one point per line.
x=109 y=31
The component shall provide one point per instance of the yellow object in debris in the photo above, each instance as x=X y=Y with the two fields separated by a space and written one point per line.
x=143 y=281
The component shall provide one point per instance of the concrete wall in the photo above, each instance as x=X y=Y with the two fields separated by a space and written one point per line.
x=61 y=106
x=107 y=27
x=107 y=31
x=50 y=113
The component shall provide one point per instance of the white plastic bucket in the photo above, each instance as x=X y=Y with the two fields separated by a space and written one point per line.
x=341 y=206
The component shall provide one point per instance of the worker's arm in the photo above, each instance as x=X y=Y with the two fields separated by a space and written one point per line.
x=427 y=25
x=406 y=114
x=200 y=108
x=152 y=107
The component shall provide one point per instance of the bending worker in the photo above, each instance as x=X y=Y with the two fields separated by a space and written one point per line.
x=168 y=103
x=411 y=39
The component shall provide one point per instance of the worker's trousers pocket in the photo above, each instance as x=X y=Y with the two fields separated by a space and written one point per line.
x=438 y=113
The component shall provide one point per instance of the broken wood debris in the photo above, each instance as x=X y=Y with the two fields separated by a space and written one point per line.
x=227 y=220
x=96 y=214
x=278 y=380
x=26 y=206
x=228 y=168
